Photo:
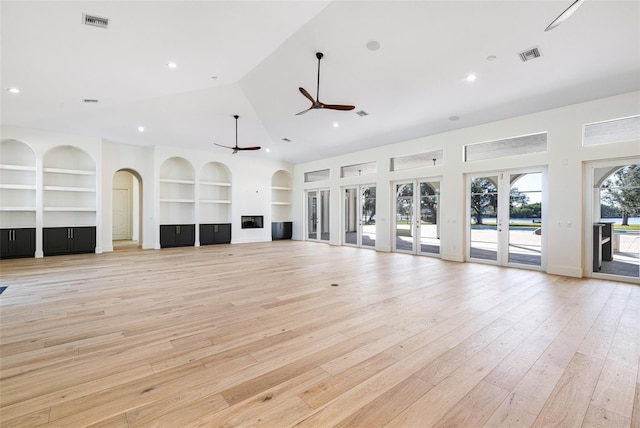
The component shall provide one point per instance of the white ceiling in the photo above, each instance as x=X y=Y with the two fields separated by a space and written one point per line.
x=262 y=51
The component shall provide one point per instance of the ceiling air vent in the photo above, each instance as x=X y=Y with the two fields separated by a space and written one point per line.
x=90 y=100
x=362 y=113
x=95 y=21
x=530 y=54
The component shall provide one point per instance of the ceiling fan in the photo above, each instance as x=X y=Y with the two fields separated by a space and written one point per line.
x=236 y=148
x=316 y=104
x=564 y=15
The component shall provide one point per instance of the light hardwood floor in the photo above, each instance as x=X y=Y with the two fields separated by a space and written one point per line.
x=258 y=335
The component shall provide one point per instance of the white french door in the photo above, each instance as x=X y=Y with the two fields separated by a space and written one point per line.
x=317 y=215
x=505 y=218
x=417 y=217
x=360 y=216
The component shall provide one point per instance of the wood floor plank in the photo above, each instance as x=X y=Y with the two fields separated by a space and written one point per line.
x=255 y=334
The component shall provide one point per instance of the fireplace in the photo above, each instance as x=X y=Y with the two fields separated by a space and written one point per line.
x=252 y=222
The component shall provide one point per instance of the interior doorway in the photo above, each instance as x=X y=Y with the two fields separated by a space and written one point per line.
x=360 y=216
x=505 y=218
x=126 y=210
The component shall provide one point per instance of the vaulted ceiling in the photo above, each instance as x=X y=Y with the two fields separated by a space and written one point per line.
x=249 y=58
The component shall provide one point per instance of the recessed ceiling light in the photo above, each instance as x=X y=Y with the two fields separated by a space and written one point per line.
x=214 y=77
x=470 y=77
x=140 y=128
x=267 y=150
x=336 y=124
x=491 y=58
x=286 y=140
x=172 y=65
x=454 y=118
x=13 y=90
x=373 y=45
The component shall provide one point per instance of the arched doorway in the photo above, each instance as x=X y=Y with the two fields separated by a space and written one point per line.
x=126 y=210
x=616 y=229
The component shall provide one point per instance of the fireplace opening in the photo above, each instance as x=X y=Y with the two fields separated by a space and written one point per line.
x=252 y=222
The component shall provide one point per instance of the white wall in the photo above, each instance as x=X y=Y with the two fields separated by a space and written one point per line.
x=250 y=178
x=563 y=160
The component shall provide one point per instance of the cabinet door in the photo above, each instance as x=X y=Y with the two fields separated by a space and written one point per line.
x=6 y=244
x=55 y=240
x=83 y=239
x=186 y=235
x=222 y=233
x=207 y=234
x=281 y=230
x=167 y=235
x=24 y=244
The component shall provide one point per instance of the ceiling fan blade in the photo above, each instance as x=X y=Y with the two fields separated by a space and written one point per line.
x=248 y=148
x=338 y=107
x=564 y=15
x=306 y=94
x=304 y=111
x=226 y=147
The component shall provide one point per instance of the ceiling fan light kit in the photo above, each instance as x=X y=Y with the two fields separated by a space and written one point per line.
x=315 y=103
x=236 y=148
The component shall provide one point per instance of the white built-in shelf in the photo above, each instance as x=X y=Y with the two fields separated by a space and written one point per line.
x=68 y=171
x=18 y=186
x=69 y=189
x=176 y=181
x=215 y=183
x=280 y=203
x=69 y=209
x=27 y=209
x=17 y=167
x=179 y=201
x=214 y=201
x=280 y=188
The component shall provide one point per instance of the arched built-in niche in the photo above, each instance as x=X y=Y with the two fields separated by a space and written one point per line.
x=215 y=204
x=126 y=209
x=281 y=213
x=17 y=200
x=17 y=185
x=215 y=193
x=177 y=203
x=69 y=201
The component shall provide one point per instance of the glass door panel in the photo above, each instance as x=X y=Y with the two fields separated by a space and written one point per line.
x=429 y=217
x=368 y=217
x=484 y=218
x=404 y=217
x=312 y=215
x=525 y=219
x=351 y=216
x=324 y=216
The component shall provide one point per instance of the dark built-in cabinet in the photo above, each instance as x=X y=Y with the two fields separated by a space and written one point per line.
x=215 y=233
x=68 y=240
x=281 y=230
x=17 y=242
x=177 y=235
